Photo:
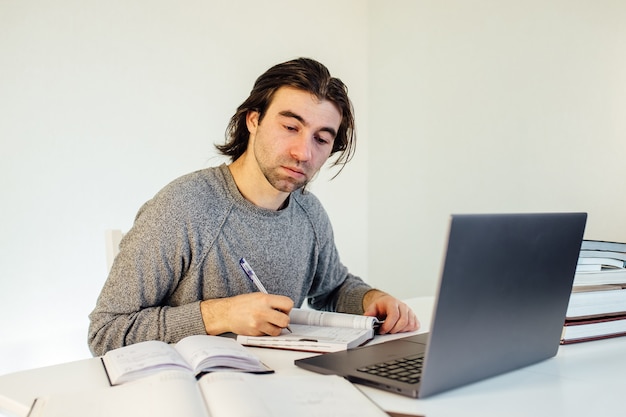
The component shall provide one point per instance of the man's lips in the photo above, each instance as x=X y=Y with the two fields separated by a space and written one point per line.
x=295 y=171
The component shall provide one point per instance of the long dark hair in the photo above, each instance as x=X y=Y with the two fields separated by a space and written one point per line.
x=304 y=74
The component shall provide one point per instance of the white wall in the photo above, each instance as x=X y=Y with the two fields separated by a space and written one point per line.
x=478 y=106
x=490 y=106
x=103 y=103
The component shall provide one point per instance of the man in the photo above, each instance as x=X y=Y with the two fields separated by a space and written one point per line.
x=178 y=272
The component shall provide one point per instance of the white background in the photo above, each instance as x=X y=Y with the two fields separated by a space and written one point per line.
x=482 y=106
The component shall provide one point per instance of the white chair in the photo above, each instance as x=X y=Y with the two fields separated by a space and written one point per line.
x=112 y=238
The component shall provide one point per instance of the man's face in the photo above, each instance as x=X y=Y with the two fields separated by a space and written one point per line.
x=294 y=138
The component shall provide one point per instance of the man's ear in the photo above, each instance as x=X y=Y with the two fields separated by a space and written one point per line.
x=252 y=121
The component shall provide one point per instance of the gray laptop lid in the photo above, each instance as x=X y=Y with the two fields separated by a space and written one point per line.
x=503 y=294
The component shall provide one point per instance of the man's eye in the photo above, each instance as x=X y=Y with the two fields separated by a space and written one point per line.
x=322 y=140
x=291 y=128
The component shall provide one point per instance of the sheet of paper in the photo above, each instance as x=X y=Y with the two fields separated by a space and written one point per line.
x=325 y=318
x=276 y=395
x=165 y=394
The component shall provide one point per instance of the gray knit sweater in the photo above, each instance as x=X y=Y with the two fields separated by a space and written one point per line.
x=185 y=246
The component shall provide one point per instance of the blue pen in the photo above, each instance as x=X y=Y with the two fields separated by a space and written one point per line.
x=254 y=278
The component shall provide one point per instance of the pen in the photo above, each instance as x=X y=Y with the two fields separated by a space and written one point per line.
x=254 y=278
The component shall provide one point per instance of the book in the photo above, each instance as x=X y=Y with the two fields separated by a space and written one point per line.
x=601 y=262
x=603 y=245
x=601 y=277
x=596 y=300
x=318 y=331
x=195 y=354
x=219 y=394
x=598 y=263
x=575 y=331
x=310 y=395
x=602 y=254
x=588 y=267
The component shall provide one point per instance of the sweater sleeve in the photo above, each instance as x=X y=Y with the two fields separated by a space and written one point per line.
x=135 y=303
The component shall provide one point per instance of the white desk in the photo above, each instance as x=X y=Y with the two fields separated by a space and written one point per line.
x=584 y=379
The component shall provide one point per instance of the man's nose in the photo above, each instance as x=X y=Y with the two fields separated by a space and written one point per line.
x=301 y=148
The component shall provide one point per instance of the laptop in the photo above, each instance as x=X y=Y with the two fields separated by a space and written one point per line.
x=501 y=303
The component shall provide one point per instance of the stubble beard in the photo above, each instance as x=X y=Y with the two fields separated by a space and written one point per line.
x=283 y=183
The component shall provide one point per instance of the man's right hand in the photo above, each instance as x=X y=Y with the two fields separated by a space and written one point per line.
x=253 y=314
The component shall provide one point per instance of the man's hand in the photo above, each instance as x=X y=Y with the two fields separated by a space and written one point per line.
x=253 y=314
x=397 y=315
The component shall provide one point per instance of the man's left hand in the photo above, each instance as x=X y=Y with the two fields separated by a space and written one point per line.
x=397 y=315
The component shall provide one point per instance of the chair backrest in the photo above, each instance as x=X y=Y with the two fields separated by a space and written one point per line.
x=112 y=238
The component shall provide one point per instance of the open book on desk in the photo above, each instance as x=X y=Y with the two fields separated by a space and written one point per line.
x=196 y=354
x=319 y=331
x=218 y=394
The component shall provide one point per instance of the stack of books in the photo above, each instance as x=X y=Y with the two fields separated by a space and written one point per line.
x=597 y=306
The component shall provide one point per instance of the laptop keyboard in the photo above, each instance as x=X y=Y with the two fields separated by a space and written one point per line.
x=408 y=369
